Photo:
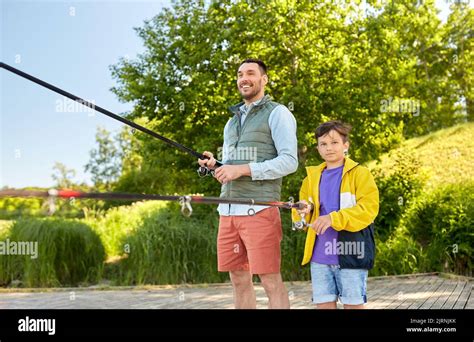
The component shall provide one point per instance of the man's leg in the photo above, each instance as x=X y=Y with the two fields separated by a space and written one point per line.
x=275 y=290
x=244 y=293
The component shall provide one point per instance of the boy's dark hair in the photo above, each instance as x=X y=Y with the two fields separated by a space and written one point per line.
x=261 y=64
x=340 y=127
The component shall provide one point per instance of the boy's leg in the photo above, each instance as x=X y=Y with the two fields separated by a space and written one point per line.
x=244 y=293
x=353 y=287
x=275 y=290
x=329 y=305
x=325 y=291
x=360 y=306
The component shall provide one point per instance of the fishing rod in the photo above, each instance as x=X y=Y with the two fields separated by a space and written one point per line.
x=185 y=201
x=203 y=171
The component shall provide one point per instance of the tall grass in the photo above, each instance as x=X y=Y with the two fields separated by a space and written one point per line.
x=171 y=249
x=69 y=253
x=119 y=222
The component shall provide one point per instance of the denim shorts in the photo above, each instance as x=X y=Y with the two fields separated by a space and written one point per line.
x=330 y=282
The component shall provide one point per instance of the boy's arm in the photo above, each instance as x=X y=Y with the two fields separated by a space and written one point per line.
x=304 y=195
x=367 y=207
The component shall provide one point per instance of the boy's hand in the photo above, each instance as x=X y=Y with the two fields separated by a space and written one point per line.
x=321 y=224
x=306 y=210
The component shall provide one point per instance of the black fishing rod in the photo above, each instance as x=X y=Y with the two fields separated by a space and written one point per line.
x=202 y=170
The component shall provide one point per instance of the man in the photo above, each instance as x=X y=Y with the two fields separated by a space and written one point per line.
x=259 y=149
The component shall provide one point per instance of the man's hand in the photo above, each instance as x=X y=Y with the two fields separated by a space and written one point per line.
x=227 y=173
x=209 y=163
x=321 y=224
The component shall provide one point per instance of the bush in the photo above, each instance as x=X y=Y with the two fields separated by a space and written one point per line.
x=399 y=254
x=442 y=222
x=119 y=222
x=397 y=188
x=169 y=248
x=68 y=253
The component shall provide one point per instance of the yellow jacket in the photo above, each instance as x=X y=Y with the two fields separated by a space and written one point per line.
x=359 y=201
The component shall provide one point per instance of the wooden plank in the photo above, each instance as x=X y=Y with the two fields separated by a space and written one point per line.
x=375 y=288
x=409 y=292
x=455 y=295
x=388 y=286
x=470 y=302
x=463 y=297
x=443 y=296
x=385 y=299
x=416 y=293
x=426 y=293
x=435 y=295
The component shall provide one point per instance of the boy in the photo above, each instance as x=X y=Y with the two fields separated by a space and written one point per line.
x=344 y=202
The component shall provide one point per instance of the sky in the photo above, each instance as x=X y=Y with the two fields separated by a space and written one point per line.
x=70 y=44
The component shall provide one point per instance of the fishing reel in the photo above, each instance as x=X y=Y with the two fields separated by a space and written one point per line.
x=302 y=224
x=299 y=225
x=205 y=171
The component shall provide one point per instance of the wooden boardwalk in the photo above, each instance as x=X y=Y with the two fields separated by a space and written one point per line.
x=424 y=291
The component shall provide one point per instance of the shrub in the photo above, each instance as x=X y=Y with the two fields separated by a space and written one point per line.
x=397 y=188
x=399 y=254
x=169 y=248
x=119 y=222
x=68 y=253
x=442 y=222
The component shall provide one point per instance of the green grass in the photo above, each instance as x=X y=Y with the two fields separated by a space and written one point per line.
x=446 y=156
x=119 y=222
x=4 y=225
x=67 y=252
x=432 y=230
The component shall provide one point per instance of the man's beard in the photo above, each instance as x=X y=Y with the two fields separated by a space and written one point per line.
x=257 y=89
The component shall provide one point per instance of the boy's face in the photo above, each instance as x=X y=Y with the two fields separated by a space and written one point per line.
x=331 y=146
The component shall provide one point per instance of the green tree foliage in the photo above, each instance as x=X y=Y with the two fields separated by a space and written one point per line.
x=386 y=68
x=105 y=160
x=62 y=176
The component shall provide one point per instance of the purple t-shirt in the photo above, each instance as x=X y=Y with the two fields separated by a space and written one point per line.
x=329 y=194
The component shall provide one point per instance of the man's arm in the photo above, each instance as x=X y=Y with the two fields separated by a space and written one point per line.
x=283 y=126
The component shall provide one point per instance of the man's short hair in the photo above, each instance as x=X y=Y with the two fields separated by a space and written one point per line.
x=340 y=127
x=261 y=64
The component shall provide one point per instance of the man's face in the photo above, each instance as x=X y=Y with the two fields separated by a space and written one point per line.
x=331 y=146
x=250 y=81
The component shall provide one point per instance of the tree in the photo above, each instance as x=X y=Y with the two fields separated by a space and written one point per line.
x=105 y=161
x=326 y=61
x=62 y=176
x=459 y=38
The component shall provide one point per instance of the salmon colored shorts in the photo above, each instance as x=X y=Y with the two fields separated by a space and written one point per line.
x=250 y=243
